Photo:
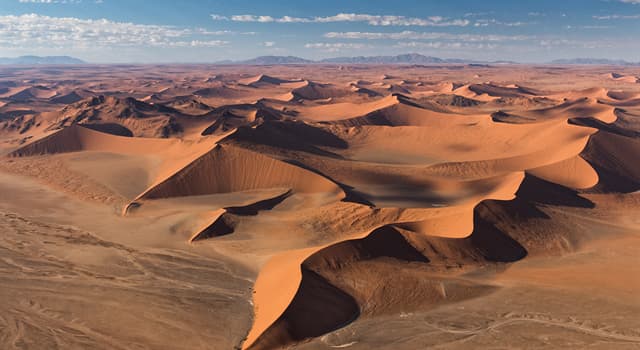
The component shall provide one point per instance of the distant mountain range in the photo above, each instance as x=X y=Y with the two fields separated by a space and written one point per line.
x=413 y=58
x=410 y=58
x=268 y=60
x=37 y=60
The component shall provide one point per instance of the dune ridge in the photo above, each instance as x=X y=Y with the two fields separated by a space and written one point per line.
x=567 y=169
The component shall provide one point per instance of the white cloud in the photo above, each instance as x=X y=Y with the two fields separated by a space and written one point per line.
x=54 y=1
x=335 y=47
x=374 y=20
x=204 y=31
x=252 y=18
x=635 y=2
x=38 y=31
x=434 y=40
x=487 y=22
x=609 y=17
x=588 y=44
x=412 y=35
x=289 y=19
x=269 y=43
x=588 y=27
x=198 y=43
x=444 y=45
x=478 y=14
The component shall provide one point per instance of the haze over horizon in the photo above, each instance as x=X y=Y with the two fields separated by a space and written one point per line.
x=117 y=31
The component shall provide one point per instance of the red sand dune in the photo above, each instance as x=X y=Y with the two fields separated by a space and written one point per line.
x=350 y=207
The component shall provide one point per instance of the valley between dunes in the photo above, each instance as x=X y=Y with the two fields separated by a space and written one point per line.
x=319 y=207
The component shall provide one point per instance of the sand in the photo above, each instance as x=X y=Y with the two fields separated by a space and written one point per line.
x=319 y=207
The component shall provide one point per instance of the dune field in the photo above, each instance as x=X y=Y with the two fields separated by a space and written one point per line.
x=320 y=207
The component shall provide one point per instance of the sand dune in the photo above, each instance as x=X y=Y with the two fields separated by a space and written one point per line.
x=319 y=91
x=79 y=138
x=579 y=108
x=72 y=96
x=217 y=171
x=618 y=172
x=189 y=105
x=502 y=91
x=224 y=220
x=155 y=158
x=622 y=95
x=623 y=78
x=28 y=93
x=222 y=91
x=404 y=113
x=141 y=118
x=334 y=307
x=454 y=100
x=272 y=324
x=573 y=173
x=367 y=206
x=232 y=116
x=262 y=80
x=465 y=91
x=338 y=111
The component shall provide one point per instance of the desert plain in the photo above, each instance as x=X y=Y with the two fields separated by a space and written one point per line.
x=320 y=207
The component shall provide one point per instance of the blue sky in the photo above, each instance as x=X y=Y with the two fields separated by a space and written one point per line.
x=118 y=31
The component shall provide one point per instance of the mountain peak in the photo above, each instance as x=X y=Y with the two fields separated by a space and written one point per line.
x=41 y=60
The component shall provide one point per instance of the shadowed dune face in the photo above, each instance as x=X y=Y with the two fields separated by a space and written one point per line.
x=618 y=170
x=382 y=242
x=419 y=200
x=317 y=308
